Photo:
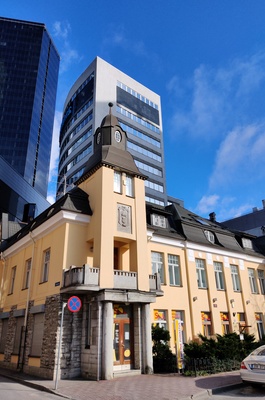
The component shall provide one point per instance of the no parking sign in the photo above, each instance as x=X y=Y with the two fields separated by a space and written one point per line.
x=74 y=304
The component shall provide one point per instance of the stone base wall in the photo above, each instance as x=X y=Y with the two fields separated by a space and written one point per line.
x=91 y=356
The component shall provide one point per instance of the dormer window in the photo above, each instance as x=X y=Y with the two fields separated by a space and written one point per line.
x=210 y=236
x=159 y=220
x=247 y=244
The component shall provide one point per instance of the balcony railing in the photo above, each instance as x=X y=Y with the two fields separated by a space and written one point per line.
x=87 y=276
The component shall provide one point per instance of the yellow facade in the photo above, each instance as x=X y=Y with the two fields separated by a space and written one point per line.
x=102 y=245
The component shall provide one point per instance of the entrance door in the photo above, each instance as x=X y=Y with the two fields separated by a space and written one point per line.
x=122 y=342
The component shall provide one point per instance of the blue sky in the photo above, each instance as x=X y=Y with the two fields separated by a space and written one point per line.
x=205 y=58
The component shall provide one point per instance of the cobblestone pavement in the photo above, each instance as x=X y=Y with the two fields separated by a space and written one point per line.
x=142 y=387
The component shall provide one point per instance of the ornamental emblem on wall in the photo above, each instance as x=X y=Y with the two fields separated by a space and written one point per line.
x=124 y=218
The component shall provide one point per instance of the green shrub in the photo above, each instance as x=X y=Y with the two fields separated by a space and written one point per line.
x=163 y=358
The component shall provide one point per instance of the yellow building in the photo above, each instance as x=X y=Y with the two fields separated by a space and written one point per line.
x=82 y=284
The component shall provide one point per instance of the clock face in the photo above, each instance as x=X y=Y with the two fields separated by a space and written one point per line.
x=117 y=136
x=98 y=137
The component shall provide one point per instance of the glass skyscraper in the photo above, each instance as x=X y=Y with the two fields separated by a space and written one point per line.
x=138 y=110
x=29 y=66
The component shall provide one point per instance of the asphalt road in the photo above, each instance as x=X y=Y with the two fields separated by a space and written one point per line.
x=246 y=392
x=10 y=390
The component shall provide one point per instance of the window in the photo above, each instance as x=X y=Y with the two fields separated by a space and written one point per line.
x=206 y=323
x=12 y=280
x=209 y=236
x=261 y=279
x=225 y=322
x=174 y=270
x=38 y=331
x=252 y=280
x=3 y=335
x=235 y=278
x=159 y=220
x=27 y=274
x=45 y=266
x=19 y=325
x=242 y=322
x=179 y=315
x=247 y=243
x=117 y=182
x=201 y=275
x=160 y=318
x=158 y=265
x=219 y=277
x=129 y=185
x=258 y=317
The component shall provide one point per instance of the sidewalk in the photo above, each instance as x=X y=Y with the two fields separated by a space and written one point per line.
x=155 y=387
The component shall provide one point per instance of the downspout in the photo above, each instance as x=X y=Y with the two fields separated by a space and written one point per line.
x=189 y=291
x=24 y=329
x=3 y=274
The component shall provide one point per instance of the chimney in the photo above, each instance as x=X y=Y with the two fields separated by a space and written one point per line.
x=263 y=203
x=212 y=216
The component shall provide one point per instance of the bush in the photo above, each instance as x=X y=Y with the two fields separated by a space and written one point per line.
x=223 y=354
x=163 y=358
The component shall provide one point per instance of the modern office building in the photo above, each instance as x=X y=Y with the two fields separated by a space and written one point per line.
x=252 y=223
x=29 y=66
x=138 y=110
x=18 y=198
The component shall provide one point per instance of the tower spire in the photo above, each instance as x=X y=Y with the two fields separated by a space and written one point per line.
x=110 y=107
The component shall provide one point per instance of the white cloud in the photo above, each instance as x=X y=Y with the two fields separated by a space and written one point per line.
x=61 y=29
x=218 y=98
x=69 y=55
x=207 y=204
x=239 y=157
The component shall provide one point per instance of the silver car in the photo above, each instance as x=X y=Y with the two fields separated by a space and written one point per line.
x=252 y=368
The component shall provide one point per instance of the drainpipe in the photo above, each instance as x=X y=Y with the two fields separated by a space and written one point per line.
x=24 y=328
x=189 y=291
x=3 y=275
x=99 y=338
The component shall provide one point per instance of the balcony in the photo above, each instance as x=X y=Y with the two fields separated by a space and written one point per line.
x=86 y=278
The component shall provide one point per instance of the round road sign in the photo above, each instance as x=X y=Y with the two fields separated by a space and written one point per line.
x=74 y=304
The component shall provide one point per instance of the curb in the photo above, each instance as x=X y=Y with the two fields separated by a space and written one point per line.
x=33 y=385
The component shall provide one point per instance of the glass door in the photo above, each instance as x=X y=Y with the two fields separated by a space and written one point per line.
x=122 y=342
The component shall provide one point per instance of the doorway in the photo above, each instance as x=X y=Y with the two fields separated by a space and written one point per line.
x=122 y=340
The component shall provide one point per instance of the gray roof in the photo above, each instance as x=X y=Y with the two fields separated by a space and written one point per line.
x=76 y=200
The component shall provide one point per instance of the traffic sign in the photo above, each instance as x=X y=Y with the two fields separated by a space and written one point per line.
x=74 y=304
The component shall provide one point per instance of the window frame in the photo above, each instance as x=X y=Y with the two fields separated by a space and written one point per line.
x=27 y=273
x=129 y=188
x=261 y=279
x=201 y=273
x=45 y=266
x=252 y=280
x=260 y=325
x=37 y=335
x=158 y=265
x=12 y=280
x=219 y=275
x=117 y=180
x=174 y=277
x=235 y=278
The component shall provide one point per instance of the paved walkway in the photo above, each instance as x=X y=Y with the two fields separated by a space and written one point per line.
x=142 y=387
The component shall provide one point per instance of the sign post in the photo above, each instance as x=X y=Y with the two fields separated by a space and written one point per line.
x=74 y=304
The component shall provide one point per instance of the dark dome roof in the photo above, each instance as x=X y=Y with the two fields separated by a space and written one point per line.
x=109 y=120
